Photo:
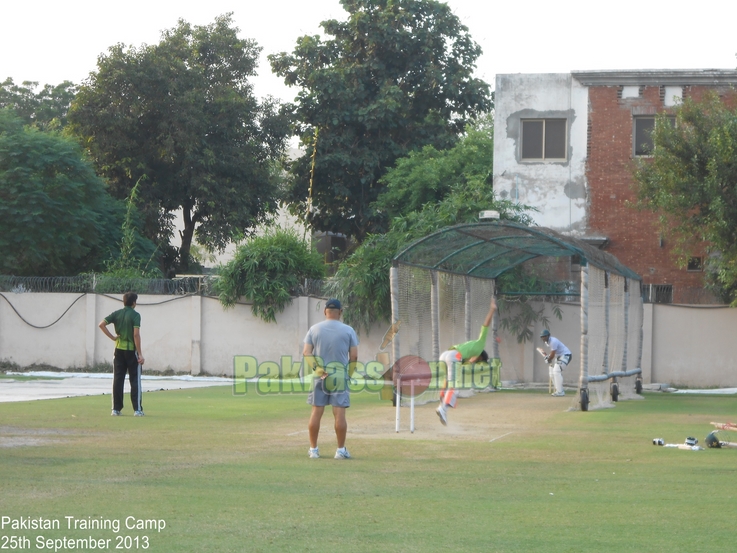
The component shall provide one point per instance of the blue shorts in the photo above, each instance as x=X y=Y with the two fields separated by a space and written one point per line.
x=319 y=397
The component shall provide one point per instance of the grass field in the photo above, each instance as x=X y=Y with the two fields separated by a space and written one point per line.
x=513 y=471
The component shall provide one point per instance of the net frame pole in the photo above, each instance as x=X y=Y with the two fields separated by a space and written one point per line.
x=625 y=352
x=435 y=314
x=494 y=327
x=641 y=333
x=467 y=302
x=394 y=291
x=397 y=414
x=607 y=294
x=412 y=406
x=583 y=381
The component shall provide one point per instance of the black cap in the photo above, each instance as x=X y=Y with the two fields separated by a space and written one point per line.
x=333 y=304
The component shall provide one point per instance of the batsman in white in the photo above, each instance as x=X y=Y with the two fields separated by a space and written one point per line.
x=562 y=356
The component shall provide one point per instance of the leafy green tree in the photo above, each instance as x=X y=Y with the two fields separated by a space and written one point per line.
x=267 y=270
x=46 y=109
x=181 y=116
x=56 y=216
x=137 y=254
x=691 y=182
x=362 y=280
x=428 y=175
x=395 y=77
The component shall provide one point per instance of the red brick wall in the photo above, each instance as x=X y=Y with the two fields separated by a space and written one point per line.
x=633 y=235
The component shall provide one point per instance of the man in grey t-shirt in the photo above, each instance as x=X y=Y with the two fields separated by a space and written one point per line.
x=331 y=349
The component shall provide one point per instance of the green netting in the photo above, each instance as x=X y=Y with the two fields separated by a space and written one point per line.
x=486 y=250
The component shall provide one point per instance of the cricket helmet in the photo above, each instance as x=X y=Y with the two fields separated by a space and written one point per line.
x=545 y=333
x=712 y=440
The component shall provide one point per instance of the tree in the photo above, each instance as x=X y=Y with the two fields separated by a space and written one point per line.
x=395 y=77
x=362 y=280
x=46 y=109
x=181 y=116
x=691 y=182
x=56 y=216
x=428 y=175
x=267 y=270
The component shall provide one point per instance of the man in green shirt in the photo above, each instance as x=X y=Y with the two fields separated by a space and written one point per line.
x=128 y=356
x=467 y=352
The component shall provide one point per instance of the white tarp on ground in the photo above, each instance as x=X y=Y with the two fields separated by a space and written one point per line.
x=54 y=385
x=714 y=391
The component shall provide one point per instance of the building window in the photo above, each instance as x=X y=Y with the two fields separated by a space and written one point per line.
x=695 y=264
x=642 y=134
x=544 y=139
x=657 y=293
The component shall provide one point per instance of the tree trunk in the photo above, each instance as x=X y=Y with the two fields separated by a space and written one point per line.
x=186 y=235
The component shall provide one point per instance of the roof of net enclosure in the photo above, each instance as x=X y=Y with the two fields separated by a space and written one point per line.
x=488 y=249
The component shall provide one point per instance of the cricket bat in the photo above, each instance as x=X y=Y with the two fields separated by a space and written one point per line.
x=725 y=425
x=541 y=351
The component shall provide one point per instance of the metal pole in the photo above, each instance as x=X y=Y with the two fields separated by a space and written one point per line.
x=583 y=382
x=435 y=315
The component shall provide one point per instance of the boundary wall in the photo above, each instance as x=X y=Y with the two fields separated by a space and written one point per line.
x=684 y=346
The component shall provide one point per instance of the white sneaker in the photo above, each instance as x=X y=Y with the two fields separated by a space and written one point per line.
x=443 y=414
x=314 y=453
x=558 y=394
x=342 y=453
x=115 y=413
x=138 y=414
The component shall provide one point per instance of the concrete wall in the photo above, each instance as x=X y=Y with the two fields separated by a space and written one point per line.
x=683 y=346
x=557 y=188
x=191 y=334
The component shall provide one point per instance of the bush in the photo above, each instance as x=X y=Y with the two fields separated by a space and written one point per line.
x=266 y=270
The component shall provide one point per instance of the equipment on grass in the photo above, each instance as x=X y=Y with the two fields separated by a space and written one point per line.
x=714 y=442
x=725 y=426
x=412 y=376
x=689 y=444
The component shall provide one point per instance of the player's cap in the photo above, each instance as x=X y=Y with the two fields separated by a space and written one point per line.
x=544 y=333
x=333 y=304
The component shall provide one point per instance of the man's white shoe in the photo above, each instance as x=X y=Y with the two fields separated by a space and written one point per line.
x=443 y=415
x=314 y=453
x=558 y=394
x=342 y=453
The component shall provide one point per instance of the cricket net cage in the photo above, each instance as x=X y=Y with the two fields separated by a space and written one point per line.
x=441 y=286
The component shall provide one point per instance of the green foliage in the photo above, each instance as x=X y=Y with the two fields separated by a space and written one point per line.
x=362 y=280
x=691 y=181
x=130 y=264
x=266 y=270
x=428 y=175
x=56 y=216
x=520 y=316
x=46 y=109
x=395 y=76
x=182 y=114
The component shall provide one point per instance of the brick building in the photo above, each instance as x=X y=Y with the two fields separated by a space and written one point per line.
x=566 y=144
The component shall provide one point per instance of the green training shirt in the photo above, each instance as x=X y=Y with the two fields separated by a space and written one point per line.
x=473 y=347
x=125 y=320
